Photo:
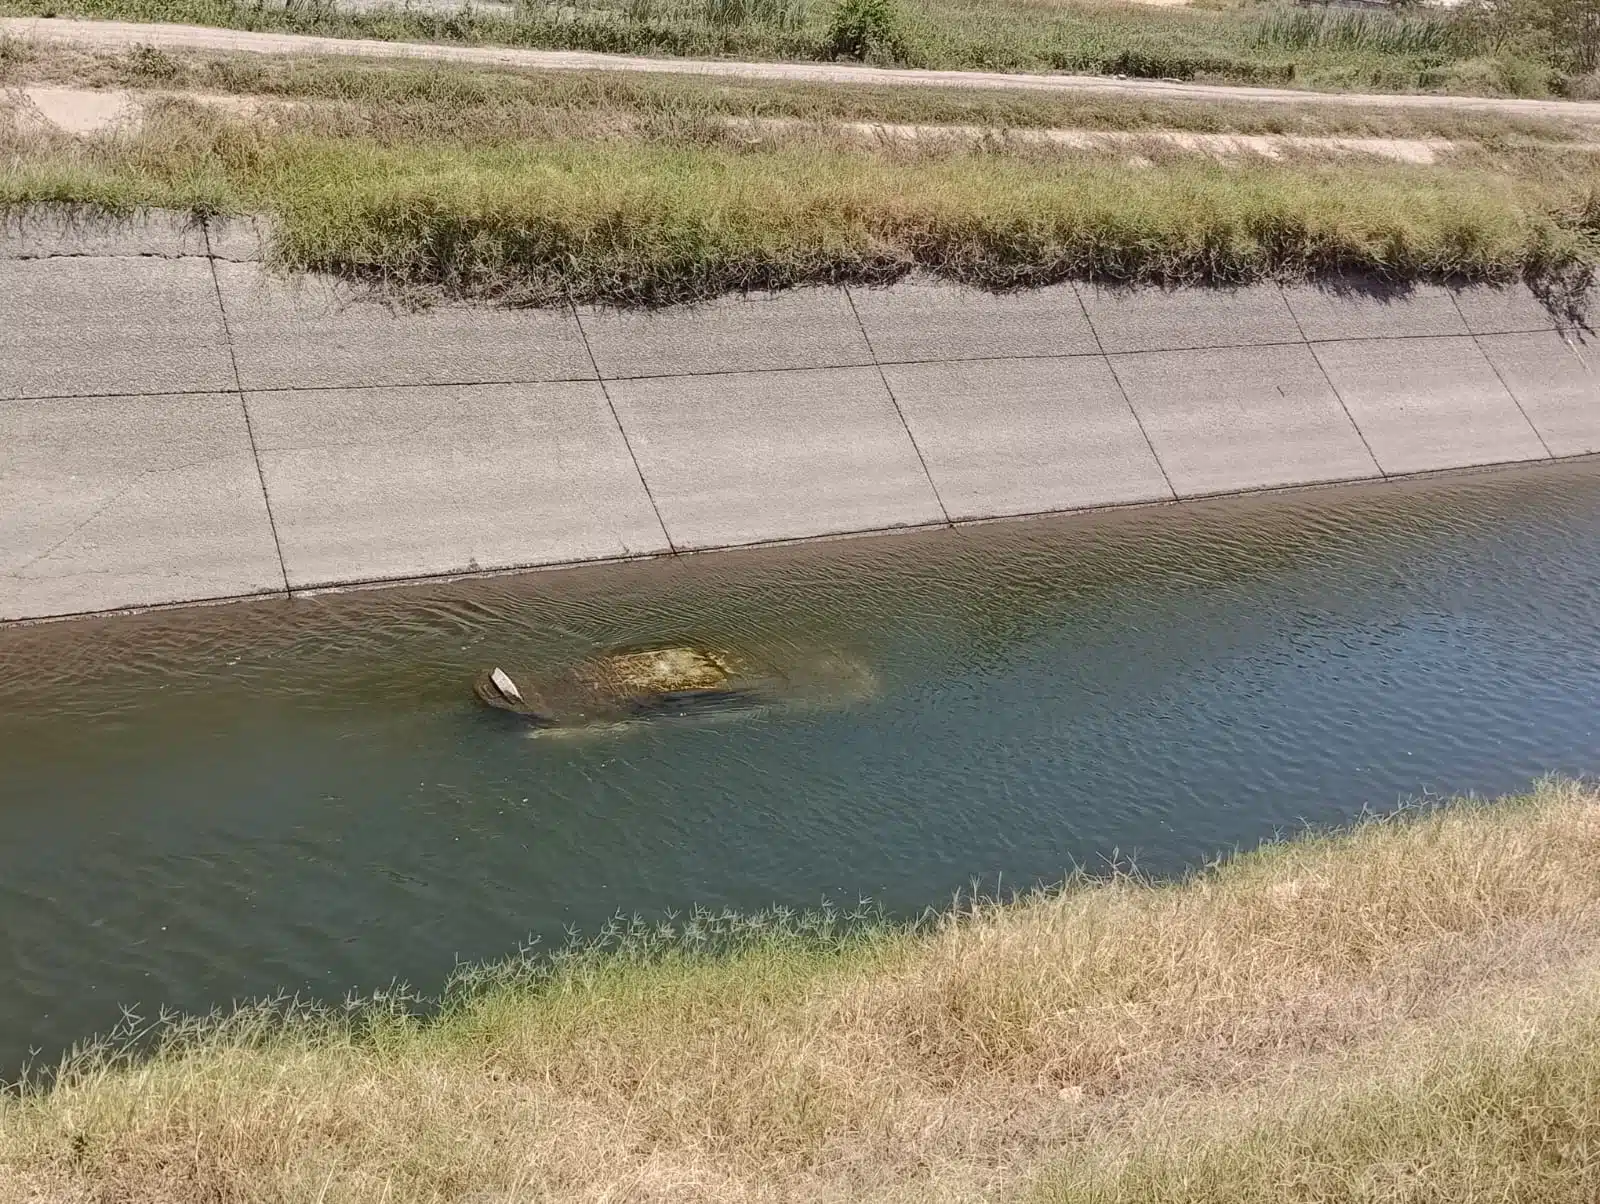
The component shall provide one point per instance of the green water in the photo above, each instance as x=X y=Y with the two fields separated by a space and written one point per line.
x=216 y=803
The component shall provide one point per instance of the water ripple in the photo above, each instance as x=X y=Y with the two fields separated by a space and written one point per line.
x=200 y=805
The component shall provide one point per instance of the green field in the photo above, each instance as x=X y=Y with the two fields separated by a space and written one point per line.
x=1521 y=47
x=1407 y=1011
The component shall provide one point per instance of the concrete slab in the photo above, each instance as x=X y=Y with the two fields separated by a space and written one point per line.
x=309 y=333
x=1557 y=385
x=1503 y=310
x=1426 y=404
x=1151 y=319
x=368 y=484
x=919 y=320
x=1025 y=436
x=1242 y=418
x=56 y=231
x=748 y=457
x=129 y=501
x=803 y=328
x=1368 y=312
x=82 y=327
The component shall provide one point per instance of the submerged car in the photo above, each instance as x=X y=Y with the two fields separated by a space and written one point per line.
x=628 y=685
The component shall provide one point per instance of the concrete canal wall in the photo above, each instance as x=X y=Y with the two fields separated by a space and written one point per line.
x=178 y=425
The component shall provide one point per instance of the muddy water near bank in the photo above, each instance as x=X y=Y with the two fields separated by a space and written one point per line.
x=209 y=804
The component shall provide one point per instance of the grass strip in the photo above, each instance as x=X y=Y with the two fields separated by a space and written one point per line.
x=472 y=104
x=1406 y=1010
x=641 y=222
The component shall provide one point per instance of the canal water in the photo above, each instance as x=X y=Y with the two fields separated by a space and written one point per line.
x=219 y=803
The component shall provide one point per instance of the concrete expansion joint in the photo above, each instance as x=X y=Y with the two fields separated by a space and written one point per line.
x=39 y=397
x=899 y=413
x=244 y=409
x=1334 y=388
x=633 y=456
x=1404 y=337
x=1122 y=391
x=1476 y=342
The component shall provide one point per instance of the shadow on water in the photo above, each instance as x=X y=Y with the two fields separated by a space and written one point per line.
x=208 y=804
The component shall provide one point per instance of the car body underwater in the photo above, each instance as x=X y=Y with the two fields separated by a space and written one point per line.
x=621 y=688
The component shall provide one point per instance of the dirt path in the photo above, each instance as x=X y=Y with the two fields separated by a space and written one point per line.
x=1218 y=146
x=120 y=35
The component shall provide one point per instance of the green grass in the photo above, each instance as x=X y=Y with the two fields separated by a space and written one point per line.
x=688 y=215
x=1264 y=44
x=1406 y=1011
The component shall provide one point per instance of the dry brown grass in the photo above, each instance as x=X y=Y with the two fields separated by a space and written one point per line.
x=1410 y=1010
x=683 y=212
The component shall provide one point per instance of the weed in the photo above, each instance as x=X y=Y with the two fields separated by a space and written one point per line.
x=14 y=54
x=785 y=15
x=152 y=64
x=866 y=30
x=1367 y=32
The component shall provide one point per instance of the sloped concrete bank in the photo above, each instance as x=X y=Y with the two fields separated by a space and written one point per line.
x=179 y=425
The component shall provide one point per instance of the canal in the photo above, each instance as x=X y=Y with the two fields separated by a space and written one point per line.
x=219 y=803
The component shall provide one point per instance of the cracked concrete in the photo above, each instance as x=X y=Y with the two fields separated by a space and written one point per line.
x=176 y=426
